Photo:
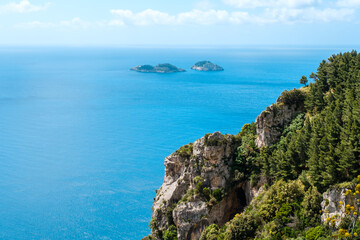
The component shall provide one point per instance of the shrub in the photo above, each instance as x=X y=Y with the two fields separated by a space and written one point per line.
x=282 y=216
x=206 y=192
x=311 y=206
x=198 y=179
x=199 y=187
x=243 y=226
x=170 y=233
x=153 y=224
x=291 y=97
x=185 y=151
x=246 y=153
x=280 y=193
x=214 y=140
x=248 y=129
x=315 y=233
x=212 y=232
x=218 y=194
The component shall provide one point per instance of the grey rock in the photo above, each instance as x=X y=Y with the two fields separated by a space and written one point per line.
x=330 y=204
x=210 y=160
x=271 y=122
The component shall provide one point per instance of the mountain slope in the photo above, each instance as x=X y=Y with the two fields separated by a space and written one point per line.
x=267 y=181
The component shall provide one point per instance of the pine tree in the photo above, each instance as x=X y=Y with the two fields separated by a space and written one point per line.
x=304 y=80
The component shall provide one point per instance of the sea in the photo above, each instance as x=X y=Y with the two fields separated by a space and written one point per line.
x=83 y=139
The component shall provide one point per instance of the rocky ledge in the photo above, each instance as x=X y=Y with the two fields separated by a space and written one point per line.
x=271 y=122
x=202 y=186
x=160 y=68
x=206 y=66
x=196 y=190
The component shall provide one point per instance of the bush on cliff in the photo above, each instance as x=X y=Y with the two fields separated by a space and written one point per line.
x=213 y=232
x=170 y=233
x=243 y=226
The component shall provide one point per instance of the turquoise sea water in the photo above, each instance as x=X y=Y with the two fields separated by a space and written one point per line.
x=82 y=138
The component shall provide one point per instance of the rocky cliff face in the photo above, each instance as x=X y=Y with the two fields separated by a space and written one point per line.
x=198 y=187
x=196 y=190
x=270 y=123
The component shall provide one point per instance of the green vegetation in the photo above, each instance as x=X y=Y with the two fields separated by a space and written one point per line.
x=303 y=80
x=286 y=210
x=146 y=67
x=316 y=233
x=185 y=151
x=247 y=153
x=170 y=233
x=160 y=68
x=213 y=232
x=214 y=141
x=201 y=63
x=324 y=142
x=168 y=66
x=318 y=149
x=209 y=196
x=293 y=97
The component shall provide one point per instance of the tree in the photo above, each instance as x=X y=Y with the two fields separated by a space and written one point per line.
x=304 y=80
x=313 y=76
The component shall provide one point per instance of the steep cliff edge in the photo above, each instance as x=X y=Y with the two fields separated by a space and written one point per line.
x=295 y=174
x=271 y=122
x=196 y=191
x=200 y=186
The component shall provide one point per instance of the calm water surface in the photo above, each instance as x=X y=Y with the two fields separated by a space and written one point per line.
x=82 y=138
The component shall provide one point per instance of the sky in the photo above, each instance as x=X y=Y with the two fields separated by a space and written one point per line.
x=175 y=22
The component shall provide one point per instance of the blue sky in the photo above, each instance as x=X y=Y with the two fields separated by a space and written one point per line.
x=185 y=22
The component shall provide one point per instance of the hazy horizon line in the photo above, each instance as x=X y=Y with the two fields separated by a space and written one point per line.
x=198 y=46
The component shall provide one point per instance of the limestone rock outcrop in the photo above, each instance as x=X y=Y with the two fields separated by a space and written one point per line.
x=200 y=187
x=196 y=190
x=271 y=122
x=330 y=204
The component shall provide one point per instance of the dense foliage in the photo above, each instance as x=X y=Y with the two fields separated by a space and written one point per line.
x=319 y=148
x=324 y=141
x=285 y=210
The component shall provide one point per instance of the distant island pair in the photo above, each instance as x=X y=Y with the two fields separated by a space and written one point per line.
x=205 y=66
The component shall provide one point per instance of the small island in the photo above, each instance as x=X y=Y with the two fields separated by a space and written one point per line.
x=206 y=66
x=160 y=68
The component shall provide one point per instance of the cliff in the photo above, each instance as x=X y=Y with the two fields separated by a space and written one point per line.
x=271 y=122
x=294 y=174
x=200 y=187
x=197 y=189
